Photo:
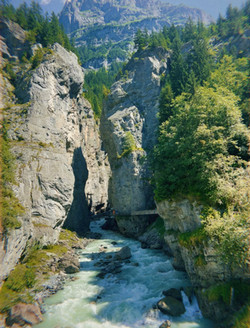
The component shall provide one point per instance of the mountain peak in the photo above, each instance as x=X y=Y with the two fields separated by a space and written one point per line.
x=105 y=23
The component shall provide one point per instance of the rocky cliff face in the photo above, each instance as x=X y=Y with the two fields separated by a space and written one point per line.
x=115 y=23
x=13 y=43
x=128 y=128
x=57 y=146
x=197 y=256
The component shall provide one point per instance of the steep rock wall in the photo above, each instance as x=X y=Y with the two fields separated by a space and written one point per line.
x=130 y=113
x=57 y=147
x=197 y=256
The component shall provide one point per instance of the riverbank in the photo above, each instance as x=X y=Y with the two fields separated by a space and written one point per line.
x=42 y=272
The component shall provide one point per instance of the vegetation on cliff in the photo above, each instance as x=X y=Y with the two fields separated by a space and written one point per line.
x=36 y=266
x=203 y=143
x=10 y=206
x=97 y=84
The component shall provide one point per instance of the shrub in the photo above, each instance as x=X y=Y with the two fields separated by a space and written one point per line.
x=10 y=206
x=232 y=292
x=193 y=238
x=128 y=144
x=20 y=278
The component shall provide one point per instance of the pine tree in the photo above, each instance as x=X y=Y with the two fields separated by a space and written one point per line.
x=165 y=103
x=178 y=72
x=199 y=60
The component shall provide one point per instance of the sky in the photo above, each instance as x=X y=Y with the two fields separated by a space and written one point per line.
x=212 y=7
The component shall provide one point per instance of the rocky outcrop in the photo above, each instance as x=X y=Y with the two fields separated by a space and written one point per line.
x=128 y=128
x=56 y=143
x=180 y=215
x=13 y=40
x=195 y=254
x=171 y=306
x=24 y=314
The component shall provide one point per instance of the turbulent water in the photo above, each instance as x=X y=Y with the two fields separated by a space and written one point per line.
x=123 y=300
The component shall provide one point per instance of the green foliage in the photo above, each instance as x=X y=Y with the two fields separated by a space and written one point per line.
x=56 y=249
x=229 y=232
x=15 y=289
x=43 y=29
x=193 y=238
x=69 y=236
x=203 y=151
x=29 y=275
x=203 y=144
x=97 y=84
x=110 y=51
x=9 y=298
x=10 y=72
x=20 y=278
x=141 y=39
x=200 y=261
x=37 y=58
x=129 y=145
x=10 y=206
x=242 y=318
x=235 y=292
x=236 y=21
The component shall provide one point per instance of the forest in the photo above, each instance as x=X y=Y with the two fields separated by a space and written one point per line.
x=44 y=29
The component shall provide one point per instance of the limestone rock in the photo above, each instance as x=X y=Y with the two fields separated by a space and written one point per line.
x=152 y=239
x=23 y=314
x=171 y=306
x=181 y=216
x=123 y=254
x=69 y=263
x=131 y=109
x=58 y=148
x=134 y=225
x=13 y=42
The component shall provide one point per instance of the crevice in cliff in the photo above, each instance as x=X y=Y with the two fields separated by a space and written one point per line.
x=78 y=216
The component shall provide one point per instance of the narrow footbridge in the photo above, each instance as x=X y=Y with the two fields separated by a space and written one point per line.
x=145 y=212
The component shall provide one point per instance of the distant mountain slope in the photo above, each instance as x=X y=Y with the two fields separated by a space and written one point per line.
x=111 y=24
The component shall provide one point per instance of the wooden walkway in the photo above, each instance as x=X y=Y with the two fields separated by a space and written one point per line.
x=145 y=212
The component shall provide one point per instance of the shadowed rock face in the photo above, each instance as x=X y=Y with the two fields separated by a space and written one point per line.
x=51 y=135
x=79 y=208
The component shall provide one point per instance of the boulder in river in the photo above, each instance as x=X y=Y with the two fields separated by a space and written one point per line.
x=171 y=306
x=173 y=292
x=23 y=314
x=69 y=263
x=166 y=324
x=123 y=254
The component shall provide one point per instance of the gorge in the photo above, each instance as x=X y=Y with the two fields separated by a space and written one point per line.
x=71 y=166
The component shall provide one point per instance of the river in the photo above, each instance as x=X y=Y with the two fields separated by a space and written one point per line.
x=122 y=300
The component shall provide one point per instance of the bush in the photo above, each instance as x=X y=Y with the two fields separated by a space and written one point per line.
x=10 y=206
x=128 y=144
x=242 y=318
x=193 y=238
x=232 y=292
x=20 y=278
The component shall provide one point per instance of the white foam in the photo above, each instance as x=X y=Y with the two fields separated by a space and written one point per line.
x=126 y=299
